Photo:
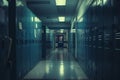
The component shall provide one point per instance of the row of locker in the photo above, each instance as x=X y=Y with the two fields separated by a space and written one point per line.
x=5 y=45
x=71 y=43
x=28 y=41
x=97 y=50
x=98 y=42
x=31 y=41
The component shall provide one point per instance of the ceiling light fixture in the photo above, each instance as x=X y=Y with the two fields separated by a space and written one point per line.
x=60 y=2
x=61 y=19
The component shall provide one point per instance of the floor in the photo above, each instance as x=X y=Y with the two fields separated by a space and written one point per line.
x=60 y=65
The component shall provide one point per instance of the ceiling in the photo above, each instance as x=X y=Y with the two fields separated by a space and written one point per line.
x=48 y=12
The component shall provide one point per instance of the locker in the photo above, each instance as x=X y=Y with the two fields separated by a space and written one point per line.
x=101 y=41
x=28 y=45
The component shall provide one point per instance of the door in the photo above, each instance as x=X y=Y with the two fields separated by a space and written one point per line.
x=60 y=41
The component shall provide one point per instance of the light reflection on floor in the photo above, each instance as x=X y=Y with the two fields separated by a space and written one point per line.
x=61 y=69
x=59 y=66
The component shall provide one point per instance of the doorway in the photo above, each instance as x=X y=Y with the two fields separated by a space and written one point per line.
x=59 y=41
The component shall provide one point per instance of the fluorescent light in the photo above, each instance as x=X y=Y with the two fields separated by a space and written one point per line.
x=60 y=2
x=61 y=19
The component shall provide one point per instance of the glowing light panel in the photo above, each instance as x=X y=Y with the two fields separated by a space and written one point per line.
x=60 y=2
x=61 y=19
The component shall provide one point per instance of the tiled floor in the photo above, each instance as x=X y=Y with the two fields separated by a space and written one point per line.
x=59 y=66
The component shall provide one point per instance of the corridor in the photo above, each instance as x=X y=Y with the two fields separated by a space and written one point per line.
x=59 y=39
x=60 y=65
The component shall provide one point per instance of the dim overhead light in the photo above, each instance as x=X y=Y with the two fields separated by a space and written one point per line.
x=61 y=19
x=60 y=2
